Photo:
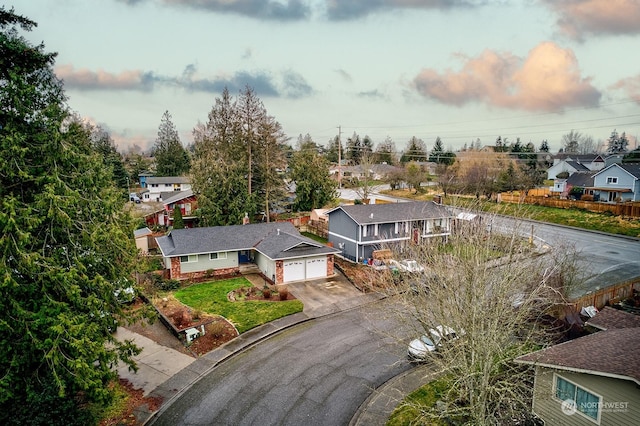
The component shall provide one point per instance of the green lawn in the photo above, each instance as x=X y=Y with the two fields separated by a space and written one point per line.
x=315 y=237
x=422 y=399
x=211 y=297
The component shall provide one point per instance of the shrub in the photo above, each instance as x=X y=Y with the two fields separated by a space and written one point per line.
x=209 y=273
x=216 y=329
x=586 y=197
x=283 y=293
x=266 y=293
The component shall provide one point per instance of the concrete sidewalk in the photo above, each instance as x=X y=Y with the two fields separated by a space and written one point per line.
x=156 y=363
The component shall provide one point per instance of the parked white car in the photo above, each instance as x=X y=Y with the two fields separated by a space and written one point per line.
x=421 y=347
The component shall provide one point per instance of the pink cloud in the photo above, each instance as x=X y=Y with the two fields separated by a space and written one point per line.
x=581 y=17
x=84 y=79
x=631 y=86
x=548 y=79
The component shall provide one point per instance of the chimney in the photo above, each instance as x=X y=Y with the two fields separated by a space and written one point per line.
x=245 y=219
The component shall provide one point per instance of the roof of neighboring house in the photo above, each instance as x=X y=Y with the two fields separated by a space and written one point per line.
x=276 y=240
x=142 y=232
x=581 y=158
x=611 y=353
x=578 y=166
x=393 y=212
x=633 y=169
x=175 y=196
x=167 y=179
x=610 y=318
x=581 y=178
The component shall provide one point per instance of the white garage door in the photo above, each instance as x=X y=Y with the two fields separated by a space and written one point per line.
x=293 y=270
x=317 y=267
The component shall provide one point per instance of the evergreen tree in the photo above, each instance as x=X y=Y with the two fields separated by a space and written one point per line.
x=171 y=157
x=178 y=222
x=354 y=149
x=544 y=146
x=111 y=158
x=66 y=247
x=416 y=150
x=331 y=154
x=218 y=173
x=439 y=155
x=310 y=172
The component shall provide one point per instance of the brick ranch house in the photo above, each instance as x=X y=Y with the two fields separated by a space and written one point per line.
x=280 y=252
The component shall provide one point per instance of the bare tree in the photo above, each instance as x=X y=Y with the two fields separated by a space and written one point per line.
x=493 y=291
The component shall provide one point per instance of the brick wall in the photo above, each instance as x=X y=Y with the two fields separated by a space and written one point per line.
x=279 y=272
x=330 y=270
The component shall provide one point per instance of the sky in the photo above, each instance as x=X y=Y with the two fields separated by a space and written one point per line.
x=460 y=70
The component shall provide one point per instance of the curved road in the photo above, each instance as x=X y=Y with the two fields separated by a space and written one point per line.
x=316 y=373
x=320 y=372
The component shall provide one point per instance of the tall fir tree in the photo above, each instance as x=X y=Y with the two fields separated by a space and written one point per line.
x=66 y=247
x=172 y=159
x=310 y=172
x=416 y=150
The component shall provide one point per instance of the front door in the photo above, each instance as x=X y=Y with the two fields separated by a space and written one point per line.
x=243 y=256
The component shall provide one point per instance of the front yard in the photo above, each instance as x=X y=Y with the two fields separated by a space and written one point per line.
x=212 y=298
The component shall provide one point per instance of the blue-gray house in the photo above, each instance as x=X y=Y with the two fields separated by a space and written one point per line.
x=618 y=183
x=358 y=230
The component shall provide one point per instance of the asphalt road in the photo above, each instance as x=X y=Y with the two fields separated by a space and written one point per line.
x=604 y=259
x=316 y=373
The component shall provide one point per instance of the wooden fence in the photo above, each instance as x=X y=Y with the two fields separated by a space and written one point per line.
x=629 y=209
x=608 y=295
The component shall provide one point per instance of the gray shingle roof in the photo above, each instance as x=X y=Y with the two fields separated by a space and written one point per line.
x=176 y=196
x=394 y=212
x=610 y=353
x=278 y=240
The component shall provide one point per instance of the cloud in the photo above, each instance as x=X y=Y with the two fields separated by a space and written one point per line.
x=342 y=10
x=289 y=10
x=546 y=80
x=578 y=18
x=286 y=84
x=295 y=86
x=631 y=86
x=371 y=94
x=345 y=75
x=84 y=79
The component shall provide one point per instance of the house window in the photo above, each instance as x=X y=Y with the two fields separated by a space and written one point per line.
x=189 y=259
x=167 y=185
x=586 y=402
x=154 y=185
x=612 y=180
x=215 y=256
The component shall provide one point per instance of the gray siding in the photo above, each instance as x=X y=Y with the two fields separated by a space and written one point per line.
x=612 y=391
x=204 y=263
x=340 y=223
x=266 y=265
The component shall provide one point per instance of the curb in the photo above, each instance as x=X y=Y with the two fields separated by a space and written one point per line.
x=180 y=382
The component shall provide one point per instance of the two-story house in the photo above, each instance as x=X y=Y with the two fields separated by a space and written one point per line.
x=618 y=182
x=155 y=186
x=358 y=230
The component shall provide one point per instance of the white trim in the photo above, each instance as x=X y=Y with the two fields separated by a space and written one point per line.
x=600 y=398
x=191 y=258
x=219 y=255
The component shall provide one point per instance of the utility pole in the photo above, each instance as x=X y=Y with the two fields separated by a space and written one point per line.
x=339 y=157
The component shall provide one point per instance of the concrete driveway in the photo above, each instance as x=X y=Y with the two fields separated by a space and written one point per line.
x=327 y=295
